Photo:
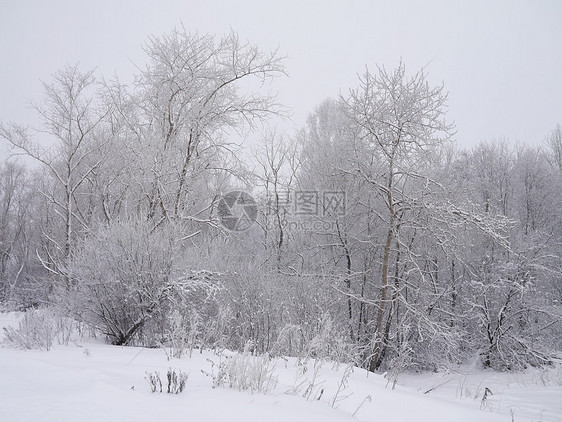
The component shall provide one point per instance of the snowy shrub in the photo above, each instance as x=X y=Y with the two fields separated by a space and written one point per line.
x=329 y=343
x=178 y=335
x=514 y=329
x=217 y=330
x=36 y=330
x=323 y=340
x=286 y=316
x=290 y=341
x=127 y=277
x=154 y=381
x=307 y=382
x=195 y=320
x=244 y=371
x=176 y=381
x=65 y=328
x=254 y=301
x=341 y=392
x=121 y=278
x=183 y=333
x=39 y=329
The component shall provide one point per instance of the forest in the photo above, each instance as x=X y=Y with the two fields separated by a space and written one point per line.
x=171 y=211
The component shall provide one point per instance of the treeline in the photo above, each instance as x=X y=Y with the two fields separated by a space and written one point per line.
x=377 y=240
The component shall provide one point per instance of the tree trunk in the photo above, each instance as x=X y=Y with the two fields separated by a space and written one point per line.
x=378 y=339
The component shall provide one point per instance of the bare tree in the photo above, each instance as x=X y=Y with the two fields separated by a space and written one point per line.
x=399 y=118
x=278 y=164
x=14 y=222
x=554 y=143
x=70 y=119
x=181 y=108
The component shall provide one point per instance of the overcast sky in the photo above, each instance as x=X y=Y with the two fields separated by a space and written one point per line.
x=501 y=61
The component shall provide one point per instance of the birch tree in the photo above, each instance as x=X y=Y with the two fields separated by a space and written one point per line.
x=70 y=118
x=399 y=118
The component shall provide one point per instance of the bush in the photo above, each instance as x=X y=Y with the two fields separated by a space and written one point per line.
x=39 y=328
x=244 y=371
x=127 y=277
x=36 y=330
x=176 y=381
x=154 y=381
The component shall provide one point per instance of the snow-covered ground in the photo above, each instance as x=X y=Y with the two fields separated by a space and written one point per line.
x=90 y=381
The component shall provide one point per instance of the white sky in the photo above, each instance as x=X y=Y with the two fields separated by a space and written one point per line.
x=501 y=61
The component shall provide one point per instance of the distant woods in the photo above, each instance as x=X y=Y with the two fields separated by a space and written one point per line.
x=378 y=241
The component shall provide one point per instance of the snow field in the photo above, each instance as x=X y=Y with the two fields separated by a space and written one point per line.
x=90 y=381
